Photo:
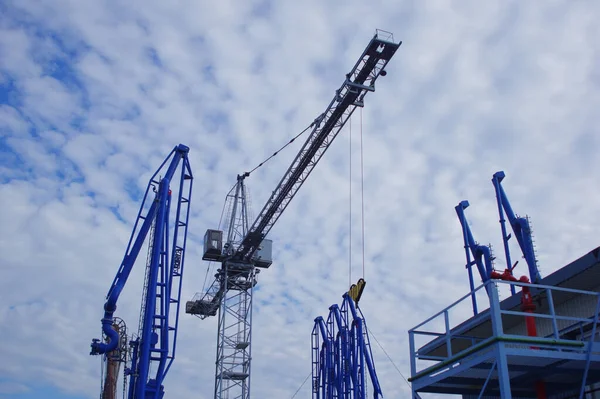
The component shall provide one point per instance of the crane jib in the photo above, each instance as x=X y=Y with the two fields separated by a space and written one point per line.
x=358 y=82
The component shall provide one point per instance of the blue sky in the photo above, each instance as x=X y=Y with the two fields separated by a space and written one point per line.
x=93 y=96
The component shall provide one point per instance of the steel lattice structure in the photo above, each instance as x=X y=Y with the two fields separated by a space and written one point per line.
x=341 y=354
x=164 y=228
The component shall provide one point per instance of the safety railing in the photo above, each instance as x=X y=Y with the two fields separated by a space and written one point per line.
x=384 y=35
x=434 y=350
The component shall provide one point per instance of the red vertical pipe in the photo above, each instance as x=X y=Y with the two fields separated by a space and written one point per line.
x=527 y=306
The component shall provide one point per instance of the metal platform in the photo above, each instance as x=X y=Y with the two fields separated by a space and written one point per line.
x=201 y=308
x=491 y=355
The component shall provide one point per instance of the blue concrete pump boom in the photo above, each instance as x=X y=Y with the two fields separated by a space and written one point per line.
x=482 y=254
x=341 y=354
x=157 y=336
x=521 y=228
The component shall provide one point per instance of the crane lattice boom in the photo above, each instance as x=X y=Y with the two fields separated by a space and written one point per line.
x=350 y=95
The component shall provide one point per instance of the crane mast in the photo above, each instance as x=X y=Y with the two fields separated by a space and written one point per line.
x=166 y=240
x=230 y=294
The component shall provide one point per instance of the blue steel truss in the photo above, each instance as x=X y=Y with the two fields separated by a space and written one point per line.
x=485 y=356
x=156 y=342
x=482 y=254
x=341 y=354
x=521 y=229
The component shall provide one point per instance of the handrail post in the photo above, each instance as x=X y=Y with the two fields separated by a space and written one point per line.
x=552 y=312
x=413 y=354
x=589 y=354
x=448 y=335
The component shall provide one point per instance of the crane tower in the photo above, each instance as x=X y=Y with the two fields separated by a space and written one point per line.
x=246 y=250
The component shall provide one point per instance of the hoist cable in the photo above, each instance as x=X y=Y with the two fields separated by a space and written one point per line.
x=304 y=382
x=350 y=211
x=277 y=152
x=362 y=195
x=389 y=358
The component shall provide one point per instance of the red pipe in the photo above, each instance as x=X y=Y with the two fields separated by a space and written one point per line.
x=527 y=306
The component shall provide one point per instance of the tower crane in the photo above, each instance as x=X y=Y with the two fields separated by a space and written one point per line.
x=157 y=335
x=246 y=250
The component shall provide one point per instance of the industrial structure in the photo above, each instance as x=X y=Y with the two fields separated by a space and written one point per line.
x=245 y=249
x=539 y=342
x=162 y=225
x=341 y=352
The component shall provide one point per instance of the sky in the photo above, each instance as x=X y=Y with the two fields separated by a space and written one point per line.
x=94 y=95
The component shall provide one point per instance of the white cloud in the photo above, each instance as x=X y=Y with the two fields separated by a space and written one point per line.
x=473 y=89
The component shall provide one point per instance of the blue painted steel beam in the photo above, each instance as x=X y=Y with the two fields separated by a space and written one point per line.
x=345 y=354
x=520 y=227
x=481 y=253
x=158 y=334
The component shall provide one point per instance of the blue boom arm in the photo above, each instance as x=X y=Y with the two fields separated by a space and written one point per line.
x=481 y=253
x=341 y=354
x=359 y=320
x=163 y=278
x=520 y=227
x=341 y=336
x=323 y=366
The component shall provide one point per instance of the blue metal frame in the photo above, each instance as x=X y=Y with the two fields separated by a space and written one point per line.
x=482 y=254
x=521 y=228
x=341 y=352
x=500 y=346
x=162 y=292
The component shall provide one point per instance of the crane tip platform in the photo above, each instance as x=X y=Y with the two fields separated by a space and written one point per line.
x=491 y=352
